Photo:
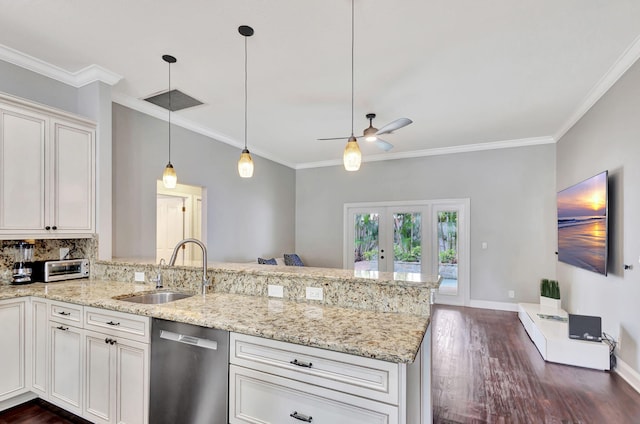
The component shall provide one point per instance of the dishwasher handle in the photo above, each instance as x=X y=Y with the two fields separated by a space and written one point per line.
x=190 y=340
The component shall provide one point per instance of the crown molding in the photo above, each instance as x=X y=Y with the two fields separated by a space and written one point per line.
x=465 y=148
x=91 y=73
x=615 y=72
x=161 y=113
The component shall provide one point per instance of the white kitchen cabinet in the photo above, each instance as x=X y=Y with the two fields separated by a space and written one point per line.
x=47 y=183
x=39 y=330
x=117 y=369
x=274 y=381
x=66 y=366
x=13 y=350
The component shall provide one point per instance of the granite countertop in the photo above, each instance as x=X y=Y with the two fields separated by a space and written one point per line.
x=392 y=337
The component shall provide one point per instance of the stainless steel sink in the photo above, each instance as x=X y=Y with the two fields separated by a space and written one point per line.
x=156 y=298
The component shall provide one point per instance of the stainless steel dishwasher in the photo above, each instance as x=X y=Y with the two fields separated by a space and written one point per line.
x=189 y=374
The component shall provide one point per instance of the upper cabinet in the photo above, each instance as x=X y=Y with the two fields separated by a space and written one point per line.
x=47 y=173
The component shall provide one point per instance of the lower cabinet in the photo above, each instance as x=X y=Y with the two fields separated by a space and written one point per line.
x=258 y=397
x=273 y=381
x=88 y=361
x=66 y=365
x=13 y=350
x=117 y=373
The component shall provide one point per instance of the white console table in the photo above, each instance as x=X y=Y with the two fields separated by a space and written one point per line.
x=551 y=337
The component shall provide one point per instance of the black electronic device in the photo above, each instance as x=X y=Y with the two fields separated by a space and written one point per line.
x=585 y=327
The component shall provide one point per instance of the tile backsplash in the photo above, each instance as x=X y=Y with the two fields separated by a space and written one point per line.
x=46 y=249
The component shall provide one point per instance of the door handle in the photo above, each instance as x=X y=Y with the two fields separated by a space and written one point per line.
x=301 y=417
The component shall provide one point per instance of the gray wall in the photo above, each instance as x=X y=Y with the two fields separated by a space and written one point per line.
x=512 y=195
x=246 y=218
x=608 y=138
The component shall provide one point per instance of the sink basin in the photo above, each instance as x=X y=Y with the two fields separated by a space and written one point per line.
x=156 y=298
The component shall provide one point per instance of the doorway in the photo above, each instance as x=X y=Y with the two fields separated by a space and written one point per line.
x=179 y=215
x=427 y=237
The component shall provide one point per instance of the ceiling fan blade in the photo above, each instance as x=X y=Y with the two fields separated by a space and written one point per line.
x=395 y=125
x=334 y=138
x=384 y=145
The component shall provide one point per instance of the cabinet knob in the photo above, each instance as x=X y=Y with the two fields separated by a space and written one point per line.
x=54 y=227
x=47 y=228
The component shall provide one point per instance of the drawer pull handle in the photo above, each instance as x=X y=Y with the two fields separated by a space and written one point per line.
x=301 y=417
x=113 y=323
x=62 y=328
x=110 y=341
x=64 y=313
x=301 y=364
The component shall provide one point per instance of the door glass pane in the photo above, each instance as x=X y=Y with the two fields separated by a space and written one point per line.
x=366 y=243
x=407 y=242
x=448 y=251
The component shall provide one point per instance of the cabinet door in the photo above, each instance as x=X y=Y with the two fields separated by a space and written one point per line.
x=257 y=397
x=132 y=382
x=12 y=352
x=22 y=172
x=39 y=332
x=66 y=366
x=73 y=178
x=100 y=378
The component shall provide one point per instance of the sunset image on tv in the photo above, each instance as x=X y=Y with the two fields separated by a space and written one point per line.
x=582 y=224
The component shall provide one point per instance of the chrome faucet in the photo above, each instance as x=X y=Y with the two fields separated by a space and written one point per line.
x=158 y=279
x=174 y=255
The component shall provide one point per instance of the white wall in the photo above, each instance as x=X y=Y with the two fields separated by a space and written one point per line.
x=512 y=194
x=246 y=218
x=608 y=138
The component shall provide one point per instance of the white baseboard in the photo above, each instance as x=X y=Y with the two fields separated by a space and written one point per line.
x=630 y=375
x=17 y=400
x=487 y=304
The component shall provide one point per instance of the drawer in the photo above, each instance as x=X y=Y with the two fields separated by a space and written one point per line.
x=256 y=397
x=67 y=313
x=118 y=324
x=366 y=377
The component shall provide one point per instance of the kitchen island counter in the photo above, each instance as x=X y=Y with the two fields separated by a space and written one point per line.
x=389 y=336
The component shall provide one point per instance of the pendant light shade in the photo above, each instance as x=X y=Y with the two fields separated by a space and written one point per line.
x=245 y=164
x=352 y=156
x=169 y=177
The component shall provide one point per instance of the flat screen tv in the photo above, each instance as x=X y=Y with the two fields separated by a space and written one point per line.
x=583 y=224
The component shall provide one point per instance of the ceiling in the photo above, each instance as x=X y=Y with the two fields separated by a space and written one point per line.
x=470 y=74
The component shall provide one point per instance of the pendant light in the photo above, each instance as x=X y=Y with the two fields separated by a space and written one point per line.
x=245 y=164
x=169 y=177
x=352 y=156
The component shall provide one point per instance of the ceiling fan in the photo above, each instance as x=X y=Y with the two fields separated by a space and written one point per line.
x=371 y=133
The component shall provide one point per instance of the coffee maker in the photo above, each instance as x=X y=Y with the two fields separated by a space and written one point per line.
x=22 y=267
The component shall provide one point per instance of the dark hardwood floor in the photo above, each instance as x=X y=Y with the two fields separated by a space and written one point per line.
x=38 y=411
x=487 y=370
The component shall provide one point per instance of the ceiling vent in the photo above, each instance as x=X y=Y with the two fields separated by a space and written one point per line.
x=179 y=100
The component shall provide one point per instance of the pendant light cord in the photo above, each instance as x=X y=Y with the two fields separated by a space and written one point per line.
x=170 y=112
x=245 y=93
x=352 y=55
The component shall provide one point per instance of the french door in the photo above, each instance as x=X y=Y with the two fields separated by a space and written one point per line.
x=427 y=237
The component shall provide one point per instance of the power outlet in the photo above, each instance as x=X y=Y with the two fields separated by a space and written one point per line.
x=139 y=276
x=274 y=290
x=64 y=251
x=512 y=294
x=314 y=293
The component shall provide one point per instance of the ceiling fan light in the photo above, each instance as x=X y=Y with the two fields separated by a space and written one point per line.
x=245 y=164
x=352 y=156
x=370 y=133
x=169 y=177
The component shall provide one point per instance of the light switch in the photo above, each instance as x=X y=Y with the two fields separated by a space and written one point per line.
x=139 y=276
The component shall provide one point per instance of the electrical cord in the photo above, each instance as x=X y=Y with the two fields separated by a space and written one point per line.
x=609 y=340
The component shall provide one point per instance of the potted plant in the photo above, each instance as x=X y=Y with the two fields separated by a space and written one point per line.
x=550 y=294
